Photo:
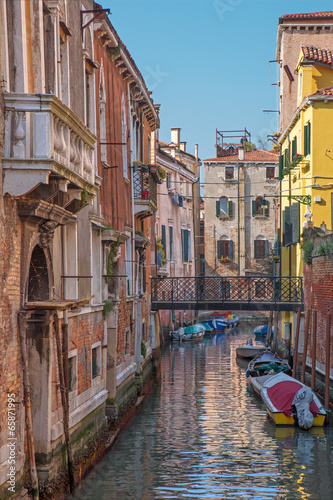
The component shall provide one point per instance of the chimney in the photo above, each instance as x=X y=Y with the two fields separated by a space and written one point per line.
x=182 y=146
x=241 y=154
x=175 y=136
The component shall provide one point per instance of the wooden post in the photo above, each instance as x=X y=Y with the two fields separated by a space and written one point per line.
x=314 y=349
x=327 y=364
x=27 y=406
x=296 y=342
x=269 y=330
x=305 y=347
x=64 y=406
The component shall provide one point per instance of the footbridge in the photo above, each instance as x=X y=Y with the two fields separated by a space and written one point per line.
x=238 y=293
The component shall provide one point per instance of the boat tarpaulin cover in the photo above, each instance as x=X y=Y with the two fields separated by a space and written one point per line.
x=282 y=395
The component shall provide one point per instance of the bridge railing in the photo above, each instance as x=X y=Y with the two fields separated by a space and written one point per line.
x=193 y=291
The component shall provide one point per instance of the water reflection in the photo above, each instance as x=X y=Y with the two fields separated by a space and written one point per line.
x=202 y=434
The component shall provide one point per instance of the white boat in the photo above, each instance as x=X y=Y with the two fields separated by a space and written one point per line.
x=249 y=350
x=189 y=333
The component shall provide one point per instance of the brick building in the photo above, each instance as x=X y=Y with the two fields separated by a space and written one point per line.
x=241 y=192
x=176 y=217
x=77 y=226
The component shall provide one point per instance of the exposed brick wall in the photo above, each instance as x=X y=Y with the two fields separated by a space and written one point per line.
x=318 y=295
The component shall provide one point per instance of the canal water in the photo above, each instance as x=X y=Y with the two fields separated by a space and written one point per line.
x=203 y=434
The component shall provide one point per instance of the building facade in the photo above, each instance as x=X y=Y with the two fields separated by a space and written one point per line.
x=241 y=195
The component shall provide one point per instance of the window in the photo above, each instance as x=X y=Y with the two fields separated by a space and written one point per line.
x=169 y=181
x=229 y=173
x=261 y=248
x=186 y=245
x=225 y=249
x=181 y=187
x=300 y=85
x=128 y=256
x=127 y=341
x=202 y=232
x=163 y=240
x=143 y=331
x=270 y=172
x=307 y=139
x=293 y=148
x=95 y=361
x=171 y=246
x=72 y=373
x=224 y=207
x=260 y=207
x=202 y=264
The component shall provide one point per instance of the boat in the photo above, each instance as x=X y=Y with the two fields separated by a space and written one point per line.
x=262 y=330
x=249 y=350
x=208 y=328
x=267 y=363
x=194 y=332
x=290 y=402
x=221 y=321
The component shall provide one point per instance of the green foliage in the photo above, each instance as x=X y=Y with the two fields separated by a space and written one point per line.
x=140 y=233
x=307 y=252
x=162 y=173
x=108 y=307
x=107 y=228
x=160 y=248
x=143 y=349
x=84 y=195
x=113 y=52
x=325 y=249
x=112 y=255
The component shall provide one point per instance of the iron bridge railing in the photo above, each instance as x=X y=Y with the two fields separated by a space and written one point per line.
x=237 y=292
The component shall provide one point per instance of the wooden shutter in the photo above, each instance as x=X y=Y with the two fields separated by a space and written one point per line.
x=286 y=226
x=231 y=249
x=253 y=208
x=293 y=148
x=266 y=249
x=267 y=208
x=280 y=167
x=218 y=208
x=307 y=137
x=185 y=245
x=219 y=249
x=255 y=249
x=294 y=222
x=163 y=240
x=230 y=209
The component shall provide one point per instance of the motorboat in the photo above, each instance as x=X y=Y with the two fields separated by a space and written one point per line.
x=290 y=402
x=222 y=321
x=261 y=330
x=249 y=350
x=189 y=333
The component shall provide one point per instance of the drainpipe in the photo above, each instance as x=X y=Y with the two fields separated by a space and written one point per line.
x=65 y=316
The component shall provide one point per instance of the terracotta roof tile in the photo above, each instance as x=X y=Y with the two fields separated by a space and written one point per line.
x=315 y=54
x=258 y=155
x=309 y=15
x=324 y=92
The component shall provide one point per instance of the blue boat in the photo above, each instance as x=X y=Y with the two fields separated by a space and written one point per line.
x=225 y=321
x=262 y=330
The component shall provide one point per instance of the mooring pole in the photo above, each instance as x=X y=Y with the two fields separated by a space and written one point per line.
x=314 y=349
x=296 y=342
x=27 y=406
x=327 y=364
x=305 y=347
x=65 y=408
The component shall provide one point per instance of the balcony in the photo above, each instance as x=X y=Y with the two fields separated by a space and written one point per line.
x=145 y=191
x=44 y=139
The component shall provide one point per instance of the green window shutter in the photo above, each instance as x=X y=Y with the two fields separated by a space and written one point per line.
x=267 y=209
x=163 y=240
x=255 y=249
x=294 y=222
x=293 y=148
x=286 y=158
x=230 y=209
x=219 y=249
x=309 y=137
x=306 y=139
x=266 y=249
x=280 y=167
x=185 y=245
x=253 y=208
x=231 y=249
x=218 y=208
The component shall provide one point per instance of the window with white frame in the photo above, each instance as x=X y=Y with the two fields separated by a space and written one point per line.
x=72 y=370
x=261 y=248
x=128 y=257
x=169 y=181
x=171 y=244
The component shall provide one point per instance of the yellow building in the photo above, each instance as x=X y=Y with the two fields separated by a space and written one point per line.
x=306 y=162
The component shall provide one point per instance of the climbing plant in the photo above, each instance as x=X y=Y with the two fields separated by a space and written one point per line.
x=112 y=255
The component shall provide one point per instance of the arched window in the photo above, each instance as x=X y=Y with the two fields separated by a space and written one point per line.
x=224 y=207
x=124 y=136
x=260 y=207
x=261 y=248
x=225 y=249
x=38 y=282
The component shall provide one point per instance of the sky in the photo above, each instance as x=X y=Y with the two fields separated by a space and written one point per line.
x=207 y=62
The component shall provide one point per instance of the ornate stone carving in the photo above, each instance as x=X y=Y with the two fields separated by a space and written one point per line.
x=46 y=231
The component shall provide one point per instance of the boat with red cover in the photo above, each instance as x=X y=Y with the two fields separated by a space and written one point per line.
x=290 y=402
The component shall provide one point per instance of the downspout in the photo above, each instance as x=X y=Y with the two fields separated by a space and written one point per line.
x=65 y=314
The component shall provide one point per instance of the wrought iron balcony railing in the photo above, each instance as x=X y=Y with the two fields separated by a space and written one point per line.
x=234 y=292
x=145 y=191
x=42 y=137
